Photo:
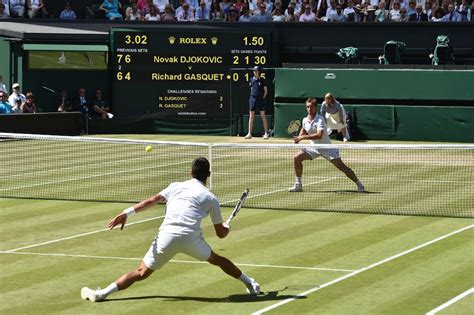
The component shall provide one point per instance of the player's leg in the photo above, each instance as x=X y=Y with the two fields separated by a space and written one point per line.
x=251 y=119
x=232 y=270
x=265 y=124
x=162 y=249
x=337 y=162
x=298 y=159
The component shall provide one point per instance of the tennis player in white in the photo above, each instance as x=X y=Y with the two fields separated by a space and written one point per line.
x=314 y=129
x=187 y=203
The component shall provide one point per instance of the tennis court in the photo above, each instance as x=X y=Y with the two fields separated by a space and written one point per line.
x=329 y=261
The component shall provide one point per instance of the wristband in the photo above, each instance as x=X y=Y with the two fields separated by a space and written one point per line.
x=129 y=211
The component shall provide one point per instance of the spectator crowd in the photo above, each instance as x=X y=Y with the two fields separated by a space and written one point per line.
x=248 y=10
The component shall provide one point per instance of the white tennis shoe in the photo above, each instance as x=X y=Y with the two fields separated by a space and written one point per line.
x=361 y=188
x=266 y=136
x=296 y=188
x=248 y=136
x=253 y=288
x=92 y=295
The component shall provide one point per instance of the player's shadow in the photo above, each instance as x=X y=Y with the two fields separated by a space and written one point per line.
x=235 y=298
x=346 y=191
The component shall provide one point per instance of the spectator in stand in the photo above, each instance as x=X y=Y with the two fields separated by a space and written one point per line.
x=168 y=16
x=253 y=5
x=438 y=15
x=418 y=16
x=64 y=105
x=452 y=15
x=153 y=15
x=470 y=13
x=29 y=106
x=268 y=6
x=463 y=10
x=16 y=95
x=349 y=8
x=6 y=4
x=427 y=9
x=411 y=9
x=3 y=13
x=36 y=8
x=233 y=15
x=16 y=108
x=80 y=102
x=216 y=14
x=245 y=17
x=111 y=9
x=381 y=14
x=132 y=13
x=262 y=16
x=239 y=4
x=339 y=16
x=322 y=10
x=290 y=15
x=99 y=107
x=186 y=14
x=224 y=5
x=403 y=15
x=142 y=4
x=3 y=87
x=67 y=13
x=331 y=10
x=278 y=16
x=308 y=15
x=5 y=107
x=193 y=5
x=444 y=5
x=277 y=5
x=17 y=8
x=395 y=12
x=203 y=12
x=434 y=7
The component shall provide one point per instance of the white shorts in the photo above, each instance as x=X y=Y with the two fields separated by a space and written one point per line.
x=166 y=246
x=328 y=154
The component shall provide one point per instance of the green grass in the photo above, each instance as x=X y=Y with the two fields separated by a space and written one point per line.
x=266 y=243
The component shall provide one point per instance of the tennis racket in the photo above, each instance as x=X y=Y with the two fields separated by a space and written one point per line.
x=294 y=127
x=238 y=206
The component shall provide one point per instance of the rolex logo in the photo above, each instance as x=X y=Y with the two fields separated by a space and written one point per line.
x=171 y=40
x=214 y=40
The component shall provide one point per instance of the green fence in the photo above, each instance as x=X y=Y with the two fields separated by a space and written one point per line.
x=394 y=122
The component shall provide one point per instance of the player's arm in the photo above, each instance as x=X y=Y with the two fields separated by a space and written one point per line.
x=121 y=218
x=305 y=136
x=265 y=91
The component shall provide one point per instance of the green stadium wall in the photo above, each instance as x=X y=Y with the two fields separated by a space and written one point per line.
x=394 y=122
x=375 y=84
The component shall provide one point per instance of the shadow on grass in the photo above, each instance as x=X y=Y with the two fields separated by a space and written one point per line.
x=235 y=298
x=346 y=191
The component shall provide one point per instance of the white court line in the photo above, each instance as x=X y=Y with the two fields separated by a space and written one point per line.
x=78 y=235
x=450 y=302
x=178 y=261
x=356 y=272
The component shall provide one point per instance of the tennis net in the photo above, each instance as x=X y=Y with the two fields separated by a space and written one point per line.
x=431 y=180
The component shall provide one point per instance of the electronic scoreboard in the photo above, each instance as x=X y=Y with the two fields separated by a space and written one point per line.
x=182 y=73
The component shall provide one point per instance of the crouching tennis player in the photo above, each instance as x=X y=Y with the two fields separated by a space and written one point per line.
x=314 y=129
x=186 y=204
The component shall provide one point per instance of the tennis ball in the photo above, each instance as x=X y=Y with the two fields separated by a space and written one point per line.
x=148 y=149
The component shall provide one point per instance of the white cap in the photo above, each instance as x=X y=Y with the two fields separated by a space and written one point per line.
x=15 y=85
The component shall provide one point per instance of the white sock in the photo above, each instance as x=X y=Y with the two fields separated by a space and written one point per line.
x=110 y=289
x=298 y=180
x=245 y=279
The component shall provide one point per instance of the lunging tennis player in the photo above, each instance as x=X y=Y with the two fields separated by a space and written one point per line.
x=314 y=129
x=186 y=204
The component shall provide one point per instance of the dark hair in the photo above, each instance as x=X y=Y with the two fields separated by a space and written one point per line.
x=312 y=100
x=201 y=169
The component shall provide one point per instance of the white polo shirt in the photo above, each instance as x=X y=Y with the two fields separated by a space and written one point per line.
x=313 y=126
x=187 y=204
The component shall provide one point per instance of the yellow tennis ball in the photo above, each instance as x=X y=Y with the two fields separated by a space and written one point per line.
x=148 y=149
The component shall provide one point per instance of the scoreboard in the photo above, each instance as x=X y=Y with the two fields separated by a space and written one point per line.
x=182 y=73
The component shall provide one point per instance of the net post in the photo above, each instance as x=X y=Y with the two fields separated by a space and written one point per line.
x=210 y=165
